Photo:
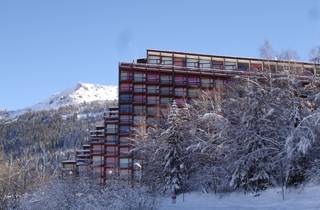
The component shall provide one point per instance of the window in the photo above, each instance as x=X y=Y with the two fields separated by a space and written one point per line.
x=125 y=87
x=193 y=80
x=139 y=88
x=270 y=67
x=281 y=67
x=125 y=98
x=179 y=61
x=317 y=69
x=123 y=140
x=273 y=68
x=152 y=111
x=153 y=77
x=111 y=128
x=124 y=129
x=219 y=83
x=166 y=90
x=217 y=64
x=165 y=100
x=180 y=101
x=192 y=92
x=153 y=100
x=97 y=160
x=205 y=64
x=207 y=83
x=111 y=162
x=165 y=79
x=166 y=61
x=309 y=71
x=125 y=162
x=299 y=68
x=152 y=89
x=124 y=150
x=125 y=108
x=229 y=65
x=111 y=139
x=111 y=150
x=139 y=99
x=243 y=66
x=180 y=80
x=192 y=63
x=139 y=77
x=139 y=120
x=140 y=110
x=125 y=118
x=256 y=66
x=153 y=59
x=97 y=148
x=124 y=75
x=180 y=92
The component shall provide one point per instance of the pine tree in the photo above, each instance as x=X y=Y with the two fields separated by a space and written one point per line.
x=173 y=163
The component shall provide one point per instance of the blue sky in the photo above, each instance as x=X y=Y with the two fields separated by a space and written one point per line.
x=49 y=45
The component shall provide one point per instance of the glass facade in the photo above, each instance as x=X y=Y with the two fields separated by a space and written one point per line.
x=139 y=99
x=165 y=79
x=180 y=92
x=125 y=108
x=166 y=91
x=192 y=63
x=111 y=139
x=111 y=128
x=125 y=87
x=125 y=98
x=124 y=76
x=194 y=81
x=166 y=61
x=152 y=100
x=139 y=110
x=125 y=162
x=124 y=129
x=139 y=88
x=153 y=77
x=139 y=77
x=152 y=89
x=180 y=80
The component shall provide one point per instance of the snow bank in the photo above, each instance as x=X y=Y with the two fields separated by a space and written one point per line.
x=298 y=199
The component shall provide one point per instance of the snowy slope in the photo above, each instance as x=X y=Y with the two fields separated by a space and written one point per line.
x=299 y=199
x=3 y=114
x=81 y=93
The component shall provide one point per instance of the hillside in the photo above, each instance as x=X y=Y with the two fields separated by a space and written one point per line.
x=61 y=122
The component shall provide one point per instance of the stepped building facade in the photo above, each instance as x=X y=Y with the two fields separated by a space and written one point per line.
x=147 y=87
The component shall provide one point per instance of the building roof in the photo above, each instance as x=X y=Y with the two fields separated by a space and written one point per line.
x=229 y=57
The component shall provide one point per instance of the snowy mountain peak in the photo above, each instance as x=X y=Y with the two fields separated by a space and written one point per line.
x=81 y=93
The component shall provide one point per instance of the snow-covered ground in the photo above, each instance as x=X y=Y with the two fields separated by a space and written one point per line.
x=307 y=198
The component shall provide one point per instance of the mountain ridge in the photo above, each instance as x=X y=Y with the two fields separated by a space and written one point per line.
x=78 y=95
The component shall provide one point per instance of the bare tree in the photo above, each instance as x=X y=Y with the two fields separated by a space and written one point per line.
x=266 y=51
x=315 y=55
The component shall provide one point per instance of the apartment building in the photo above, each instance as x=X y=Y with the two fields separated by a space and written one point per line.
x=149 y=85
